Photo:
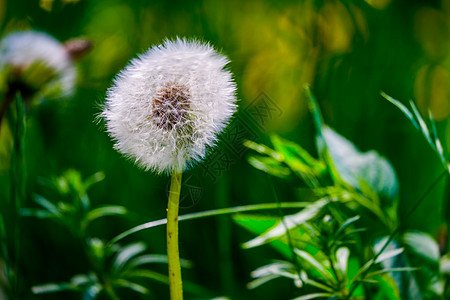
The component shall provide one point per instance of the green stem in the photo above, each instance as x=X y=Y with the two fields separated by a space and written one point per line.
x=110 y=291
x=17 y=188
x=7 y=100
x=173 y=255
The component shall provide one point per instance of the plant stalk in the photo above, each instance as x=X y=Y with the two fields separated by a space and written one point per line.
x=18 y=190
x=173 y=254
x=7 y=100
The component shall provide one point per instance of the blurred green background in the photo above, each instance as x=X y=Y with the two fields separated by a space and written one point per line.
x=348 y=51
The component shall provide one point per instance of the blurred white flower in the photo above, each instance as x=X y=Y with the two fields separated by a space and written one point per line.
x=167 y=106
x=36 y=62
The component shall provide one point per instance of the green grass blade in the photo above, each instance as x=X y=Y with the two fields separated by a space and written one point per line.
x=130 y=285
x=402 y=108
x=108 y=210
x=49 y=206
x=211 y=213
x=316 y=264
x=422 y=125
x=127 y=253
x=262 y=149
x=314 y=296
x=438 y=146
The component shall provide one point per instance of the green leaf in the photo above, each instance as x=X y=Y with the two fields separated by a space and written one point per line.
x=210 y=213
x=422 y=124
x=270 y=166
x=294 y=154
x=47 y=205
x=435 y=137
x=402 y=108
x=300 y=161
x=83 y=279
x=272 y=271
x=315 y=110
x=423 y=245
x=282 y=268
x=314 y=296
x=80 y=282
x=342 y=255
x=126 y=253
x=262 y=149
x=288 y=223
x=391 y=270
x=404 y=280
x=317 y=284
x=108 y=210
x=418 y=122
x=262 y=280
x=97 y=248
x=346 y=224
x=444 y=264
x=52 y=288
x=354 y=166
x=38 y=213
x=387 y=288
x=130 y=285
x=389 y=254
x=315 y=264
x=93 y=179
x=258 y=224
x=141 y=273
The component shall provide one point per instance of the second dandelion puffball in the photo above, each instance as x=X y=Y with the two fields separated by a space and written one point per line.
x=35 y=62
x=169 y=104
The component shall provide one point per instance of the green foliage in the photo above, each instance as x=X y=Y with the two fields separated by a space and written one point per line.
x=321 y=262
x=120 y=267
x=344 y=180
x=113 y=266
x=342 y=174
x=428 y=130
x=73 y=210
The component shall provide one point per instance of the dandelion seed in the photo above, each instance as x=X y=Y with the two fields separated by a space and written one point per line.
x=168 y=105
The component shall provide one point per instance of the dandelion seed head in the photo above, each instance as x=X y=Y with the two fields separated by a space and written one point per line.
x=39 y=61
x=166 y=108
x=171 y=106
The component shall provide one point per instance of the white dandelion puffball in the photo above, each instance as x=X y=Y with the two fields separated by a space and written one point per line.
x=168 y=105
x=38 y=62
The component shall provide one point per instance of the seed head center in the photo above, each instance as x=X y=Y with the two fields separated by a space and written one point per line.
x=171 y=106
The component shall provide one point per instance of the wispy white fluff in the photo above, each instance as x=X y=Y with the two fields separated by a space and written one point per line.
x=168 y=105
x=20 y=50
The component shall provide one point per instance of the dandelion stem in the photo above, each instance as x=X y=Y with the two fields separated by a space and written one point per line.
x=173 y=255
